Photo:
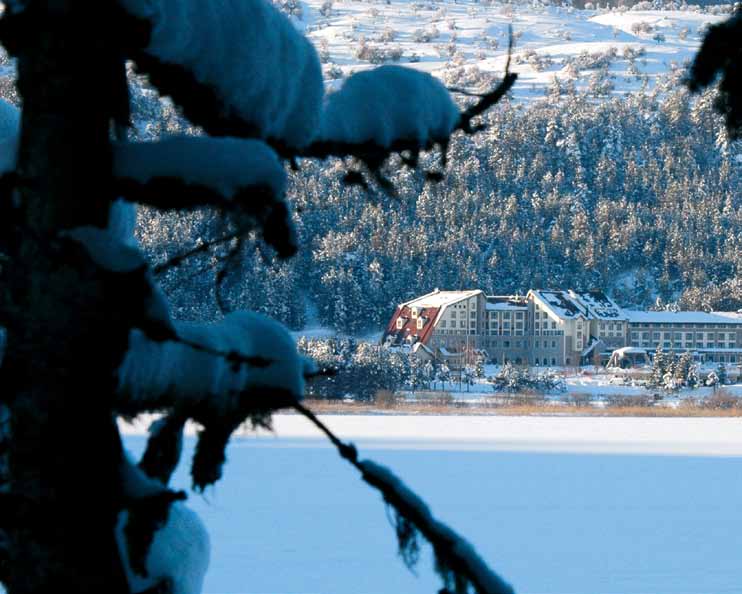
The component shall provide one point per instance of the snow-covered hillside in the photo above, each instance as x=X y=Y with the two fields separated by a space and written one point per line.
x=604 y=51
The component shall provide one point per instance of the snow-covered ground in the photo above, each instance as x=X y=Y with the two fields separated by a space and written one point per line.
x=586 y=381
x=556 y=505
x=440 y=37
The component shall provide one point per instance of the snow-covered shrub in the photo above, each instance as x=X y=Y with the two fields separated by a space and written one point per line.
x=600 y=83
x=517 y=379
x=326 y=8
x=589 y=61
x=377 y=54
x=641 y=28
x=712 y=379
x=387 y=35
x=291 y=7
x=539 y=62
x=323 y=51
x=333 y=72
x=360 y=369
x=425 y=35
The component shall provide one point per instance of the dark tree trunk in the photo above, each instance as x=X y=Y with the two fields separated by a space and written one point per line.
x=65 y=336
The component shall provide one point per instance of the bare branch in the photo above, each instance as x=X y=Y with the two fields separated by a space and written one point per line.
x=457 y=562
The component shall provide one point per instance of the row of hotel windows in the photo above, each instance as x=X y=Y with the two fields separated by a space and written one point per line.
x=472 y=331
x=519 y=361
x=681 y=325
x=678 y=336
x=519 y=344
x=686 y=345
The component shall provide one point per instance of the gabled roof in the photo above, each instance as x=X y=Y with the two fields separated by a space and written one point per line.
x=409 y=325
x=438 y=298
x=599 y=305
x=561 y=304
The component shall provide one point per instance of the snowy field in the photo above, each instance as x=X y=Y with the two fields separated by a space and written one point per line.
x=598 y=385
x=556 y=505
x=442 y=36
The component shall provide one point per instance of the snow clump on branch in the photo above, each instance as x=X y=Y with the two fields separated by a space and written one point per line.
x=259 y=67
x=223 y=165
x=390 y=104
x=179 y=550
x=152 y=369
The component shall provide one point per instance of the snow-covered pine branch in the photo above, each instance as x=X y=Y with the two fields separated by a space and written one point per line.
x=387 y=105
x=235 y=175
x=236 y=68
x=457 y=562
x=163 y=544
x=393 y=109
x=205 y=375
x=721 y=54
x=114 y=251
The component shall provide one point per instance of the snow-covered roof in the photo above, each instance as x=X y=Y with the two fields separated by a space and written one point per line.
x=439 y=298
x=419 y=345
x=561 y=304
x=599 y=305
x=505 y=302
x=623 y=351
x=682 y=317
x=734 y=315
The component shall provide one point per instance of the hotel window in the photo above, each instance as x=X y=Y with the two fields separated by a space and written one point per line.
x=400 y=323
x=420 y=323
x=553 y=344
x=472 y=324
x=443 y=323
x=655 y=335
x=538 y=344
x=553 y=325
x=519 y=315
x=462 y=324
x=472 y=314
x=506 y=344
x=506 y=315
x=453 y=314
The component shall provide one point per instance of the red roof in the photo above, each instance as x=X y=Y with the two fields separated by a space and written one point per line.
x=409 y=325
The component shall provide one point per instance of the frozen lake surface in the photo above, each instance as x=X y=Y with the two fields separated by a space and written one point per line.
x=556 y=505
